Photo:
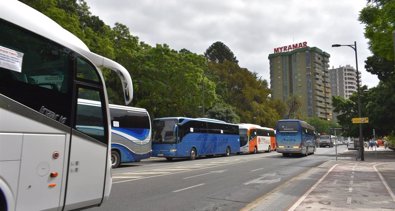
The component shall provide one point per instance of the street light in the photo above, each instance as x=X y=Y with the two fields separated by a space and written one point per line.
x=361 y=145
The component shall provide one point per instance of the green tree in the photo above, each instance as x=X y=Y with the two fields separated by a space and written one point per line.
x=219 y=52
x=322 y=126
x=379 y=19
x=223 y=111
x=348 y=109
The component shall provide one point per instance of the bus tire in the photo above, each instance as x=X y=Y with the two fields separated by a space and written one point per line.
x=255 y=150
x=227 y=152
x=285 y=154
x=193 y=154
x=3 y=202
x=115 y=159
x=269 y=149
x=169 y=158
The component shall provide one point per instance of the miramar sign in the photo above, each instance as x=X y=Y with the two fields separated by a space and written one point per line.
x=290 y=47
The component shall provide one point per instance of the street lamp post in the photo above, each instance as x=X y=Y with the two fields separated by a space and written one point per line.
x=361 y=145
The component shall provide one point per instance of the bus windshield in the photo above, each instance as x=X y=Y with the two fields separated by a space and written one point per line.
x=243 y=137
x=163 y=131
x=287 y=127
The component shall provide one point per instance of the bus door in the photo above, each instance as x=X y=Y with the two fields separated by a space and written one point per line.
x=42 y=154
x=87 y=171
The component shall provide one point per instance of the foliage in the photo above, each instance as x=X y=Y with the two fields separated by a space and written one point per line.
x=379 y=20
x=323 y=126
x=219 y=53
x=348 y=109
x=223 y=111
x=294 y=105
x=244 y=91
x=380 y=101
x=168 y=82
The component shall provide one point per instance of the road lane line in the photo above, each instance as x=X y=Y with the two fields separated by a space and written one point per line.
x=349 y=199
x=204 y=166
x=194 y=186
x=384 y=182
x=126 y=177
x=211 y=172
x=257 y=169
x=310 y=190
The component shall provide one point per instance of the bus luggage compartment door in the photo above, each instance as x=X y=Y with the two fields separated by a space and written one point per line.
x=40 y=179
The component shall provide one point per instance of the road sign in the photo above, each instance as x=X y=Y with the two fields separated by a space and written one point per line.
x=361 y=120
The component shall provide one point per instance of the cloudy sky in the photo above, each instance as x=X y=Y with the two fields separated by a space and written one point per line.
x=250 y=28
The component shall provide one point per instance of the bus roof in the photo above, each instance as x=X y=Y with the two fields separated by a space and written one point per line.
x=26 y=17
x=195 y=119
x=250 y=126
x=301 y=122
x=128 y=108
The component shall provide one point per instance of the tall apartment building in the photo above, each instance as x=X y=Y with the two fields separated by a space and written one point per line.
x=303 y=73
x=343 y=81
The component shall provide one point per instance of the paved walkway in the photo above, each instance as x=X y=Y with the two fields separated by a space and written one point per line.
x=353 y=185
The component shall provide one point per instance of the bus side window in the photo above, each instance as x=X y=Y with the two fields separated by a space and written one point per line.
x=89 y=118
x=85 y=71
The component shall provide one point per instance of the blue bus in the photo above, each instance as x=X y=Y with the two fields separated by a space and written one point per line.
x=130 y=134
x=182 y=137
x=295 y=137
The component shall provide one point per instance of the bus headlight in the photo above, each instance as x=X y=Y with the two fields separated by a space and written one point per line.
x=281 y=147
x=296 y=147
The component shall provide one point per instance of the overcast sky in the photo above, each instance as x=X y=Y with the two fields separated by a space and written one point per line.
x=250 y=28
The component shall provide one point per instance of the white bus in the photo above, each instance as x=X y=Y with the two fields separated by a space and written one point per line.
x=48 y=161
x=255 y=138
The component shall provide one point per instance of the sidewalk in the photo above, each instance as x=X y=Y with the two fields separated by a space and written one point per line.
x=354 y=185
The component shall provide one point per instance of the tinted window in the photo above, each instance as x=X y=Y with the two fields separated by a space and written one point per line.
x=129 y=119
x=90 y=117
x=288 y=127
x=35 y=72
x=163 y=131
x=243 y=137
x=194 y=126
x=85 y=71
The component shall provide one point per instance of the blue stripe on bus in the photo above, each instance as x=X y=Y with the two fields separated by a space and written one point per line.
x=138 y=133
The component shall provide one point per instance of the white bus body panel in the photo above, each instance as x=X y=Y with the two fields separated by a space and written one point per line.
x=31 y=154
x=37 y=163
x=86 y=173
x=263 y=143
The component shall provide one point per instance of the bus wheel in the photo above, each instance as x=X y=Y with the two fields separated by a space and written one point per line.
x=169 y=158
x=269 y=149
x=115 y=159
x=227 y=152
x=192 y=155
x=255 y=150
x=285 y=154
x=3 y=203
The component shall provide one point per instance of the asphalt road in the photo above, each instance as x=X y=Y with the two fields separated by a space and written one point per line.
x=220 y=183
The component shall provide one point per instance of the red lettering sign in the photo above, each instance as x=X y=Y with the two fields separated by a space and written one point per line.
x=290 y=47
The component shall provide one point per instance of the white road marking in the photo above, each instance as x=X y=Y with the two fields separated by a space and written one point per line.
x=262 y=180
x=193 y=167
x=257 y=169
x=384 y=182
x=349 y=199
x=211 y=172
x=310 y=190
x=144 y=173
x=126 y=177
x=194 y=186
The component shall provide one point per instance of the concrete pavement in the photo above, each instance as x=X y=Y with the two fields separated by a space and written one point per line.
x=353 y=185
